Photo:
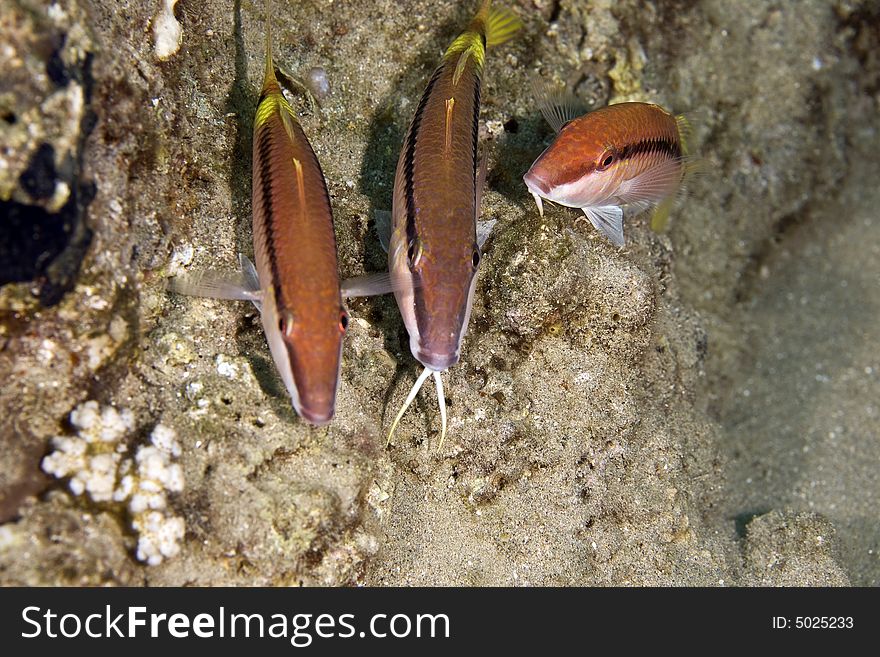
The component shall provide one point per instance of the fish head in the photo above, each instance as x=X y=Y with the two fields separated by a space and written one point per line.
x=437 y=300
x=577 y=170
x=306 y=345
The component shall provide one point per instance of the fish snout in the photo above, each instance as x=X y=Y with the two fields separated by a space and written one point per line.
x=317 y=395
x=436 y=361
x=536 y=183
x=319 y=414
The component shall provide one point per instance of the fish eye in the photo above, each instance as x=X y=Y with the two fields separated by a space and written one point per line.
x=607 y=161
x=413 y=253
x=475 y=258
x=343 y=321
x=285 y=323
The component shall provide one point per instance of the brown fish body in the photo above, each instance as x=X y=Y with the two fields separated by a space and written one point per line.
x=634 y=133
x=433 y=253
x=295 y=283
x=295 y=252
x=434 y=231
x=629 y=154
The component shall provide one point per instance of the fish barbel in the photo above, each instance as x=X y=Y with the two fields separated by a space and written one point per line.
x=629 y=155
x=295 y=284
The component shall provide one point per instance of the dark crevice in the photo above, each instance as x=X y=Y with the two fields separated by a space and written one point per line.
x=863 y=26
x=38 y=180
x=55 y=67
x=38 y=245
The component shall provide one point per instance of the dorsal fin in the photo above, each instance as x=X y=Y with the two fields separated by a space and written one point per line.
x=557 y=105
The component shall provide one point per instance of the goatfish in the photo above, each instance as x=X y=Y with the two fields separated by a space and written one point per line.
x=627 y=156
x=434 y=250
x=295 y=284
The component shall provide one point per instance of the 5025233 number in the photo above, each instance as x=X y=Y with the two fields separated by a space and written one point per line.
x=823 y=622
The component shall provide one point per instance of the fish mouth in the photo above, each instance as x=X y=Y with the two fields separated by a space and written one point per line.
x=316 y=417
x=436 y=362
x=536 y=184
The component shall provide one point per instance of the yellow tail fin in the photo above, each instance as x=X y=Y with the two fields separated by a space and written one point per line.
x=684 y=132
x=501 y=25
x=660 y=220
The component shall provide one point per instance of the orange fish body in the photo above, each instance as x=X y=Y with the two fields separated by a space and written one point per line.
x=627 y=155
x=434 y=250
x=295 y=253
x=295 y=283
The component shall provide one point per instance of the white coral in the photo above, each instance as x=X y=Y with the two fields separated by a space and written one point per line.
x=160 y=536
x=155 y=475
x=93 y=460
x=167 y=32
x=165 y=439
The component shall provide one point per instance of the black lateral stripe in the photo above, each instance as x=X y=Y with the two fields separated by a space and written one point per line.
x=655 y=145
x=478 y=85
x=265 y=152
x=409 y=159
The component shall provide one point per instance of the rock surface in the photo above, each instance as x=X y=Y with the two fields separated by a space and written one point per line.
x=600 y=430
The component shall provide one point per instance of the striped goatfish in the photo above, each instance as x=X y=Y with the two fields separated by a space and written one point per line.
x=295 y=284
x=434 y=251
x=630 y=155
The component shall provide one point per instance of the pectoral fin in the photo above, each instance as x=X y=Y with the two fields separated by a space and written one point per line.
x=240 y=286
x=383 y=227
x=215 y=285
x=484 y=229
x=251 y=279
x=608 y=220
x=654 y=184
x=370 y=285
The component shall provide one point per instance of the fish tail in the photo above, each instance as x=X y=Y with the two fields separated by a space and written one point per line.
x=691 y=166
x=490 y=27
x=500 y=24
x=685 y=129
x=660 y=219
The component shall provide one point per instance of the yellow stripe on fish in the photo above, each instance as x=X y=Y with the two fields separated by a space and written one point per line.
x=492 y=27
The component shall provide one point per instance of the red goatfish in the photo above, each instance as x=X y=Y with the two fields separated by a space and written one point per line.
x=295 y=284
x=437 y=193
x=434 y=246
x=625 y=156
